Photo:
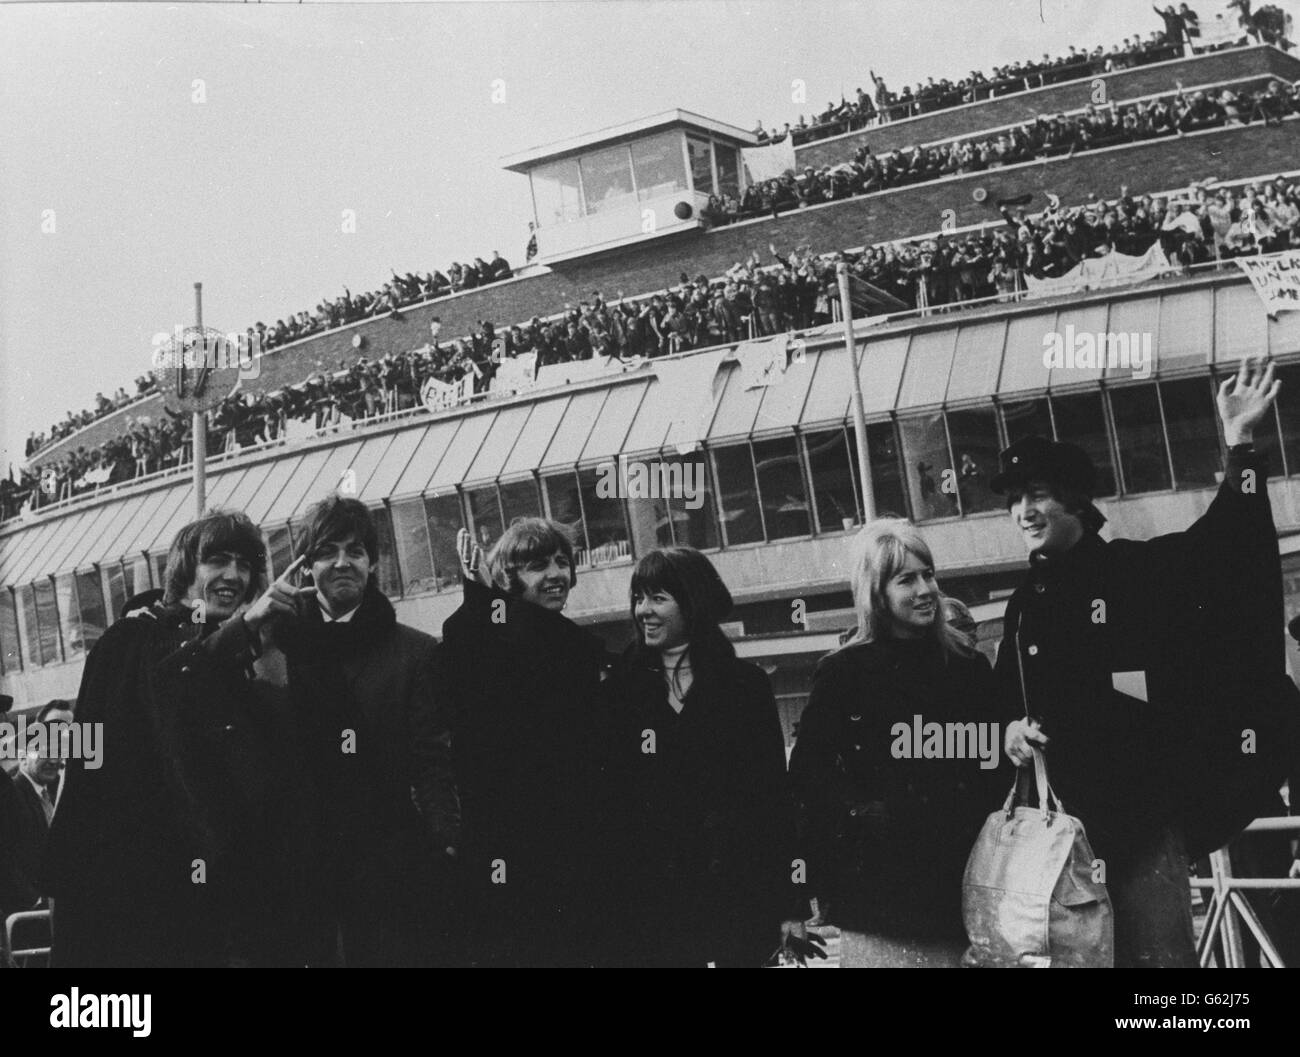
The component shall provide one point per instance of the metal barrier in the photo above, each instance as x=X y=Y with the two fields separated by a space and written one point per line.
x=22 y=957
x=1227 y=904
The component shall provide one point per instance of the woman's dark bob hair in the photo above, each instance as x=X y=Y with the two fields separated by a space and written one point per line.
x=216 y=532
x=698 y=590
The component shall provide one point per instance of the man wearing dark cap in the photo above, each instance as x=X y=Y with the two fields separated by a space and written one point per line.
x=1154 y=675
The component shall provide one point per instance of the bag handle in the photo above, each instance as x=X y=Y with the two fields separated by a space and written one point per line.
x=1046 y=794
x=1048 y=802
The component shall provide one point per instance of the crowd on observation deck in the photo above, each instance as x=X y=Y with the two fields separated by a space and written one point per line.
x=1182 y=29
x=753 y=299
x=862 y=172
x=1094 y=128
x=398 y=293
x=792 y=291
x=104 y=405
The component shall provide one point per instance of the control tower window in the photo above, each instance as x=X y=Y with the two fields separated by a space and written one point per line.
x=557 y=192
x=607 y=179
x=700 y=152
x=728 y=170
x=658 y=167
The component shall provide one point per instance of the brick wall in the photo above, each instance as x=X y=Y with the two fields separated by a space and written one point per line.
x=1015 y=109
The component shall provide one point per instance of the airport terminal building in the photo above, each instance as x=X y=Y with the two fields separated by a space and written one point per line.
x=779 y=496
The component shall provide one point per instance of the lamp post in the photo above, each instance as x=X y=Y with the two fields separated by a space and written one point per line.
x=199 y=425
x=859 y=412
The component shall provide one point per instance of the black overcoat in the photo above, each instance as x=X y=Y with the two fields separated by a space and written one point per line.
x=708 y=846
x=886 y=829
x=182 y=848
x=1199 y=614
x=530 y=737
x=374 y=731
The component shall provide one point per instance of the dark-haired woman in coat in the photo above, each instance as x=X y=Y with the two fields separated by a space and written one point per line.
x=701 y=756
x=886 y=825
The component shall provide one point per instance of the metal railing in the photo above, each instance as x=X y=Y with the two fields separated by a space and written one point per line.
x=1228 y=909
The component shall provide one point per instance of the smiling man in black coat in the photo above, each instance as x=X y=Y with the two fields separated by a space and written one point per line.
x=179 y=849
x=1154 y=671
x=532 y=754
x=375 y=735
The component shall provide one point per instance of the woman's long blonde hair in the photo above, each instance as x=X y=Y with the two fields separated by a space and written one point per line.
x=878 y=554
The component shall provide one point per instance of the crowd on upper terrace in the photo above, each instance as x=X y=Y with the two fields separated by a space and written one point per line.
x=881 y=105
x=863 y=173
x=104 y=405
x=401 y=291
x=795 y=292
x=1048 y=136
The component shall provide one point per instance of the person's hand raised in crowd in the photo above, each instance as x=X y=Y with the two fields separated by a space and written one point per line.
x=471 y=558
x=1244 y=399
x=278 y=602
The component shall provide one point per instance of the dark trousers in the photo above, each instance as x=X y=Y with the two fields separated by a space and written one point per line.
x=381 y=909
x=1152 y=904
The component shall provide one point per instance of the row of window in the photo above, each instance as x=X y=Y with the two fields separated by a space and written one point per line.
x=629 y=173
x=1143 y=438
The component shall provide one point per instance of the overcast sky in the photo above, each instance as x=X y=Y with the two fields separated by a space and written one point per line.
x=384 y=109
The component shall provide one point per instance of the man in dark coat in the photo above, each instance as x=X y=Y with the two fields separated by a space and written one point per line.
x=376 y=740
x=1153 y=671
x=27 y=809
x=178 y=850
x=531 y=745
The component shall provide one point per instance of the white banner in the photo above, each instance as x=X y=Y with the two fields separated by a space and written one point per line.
x=572 y=371
x=762 y=362
x=770 y=162
x=1220 y=24
x=1112 y=269
x=515 y=375
x=437 y=396
x=690 y=384
x=1276 y=280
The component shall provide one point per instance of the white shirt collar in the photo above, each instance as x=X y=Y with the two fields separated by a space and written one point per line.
x=325 y=615
x=40 y=792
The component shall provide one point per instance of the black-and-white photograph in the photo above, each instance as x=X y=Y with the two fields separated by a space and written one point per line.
x=645 y=484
